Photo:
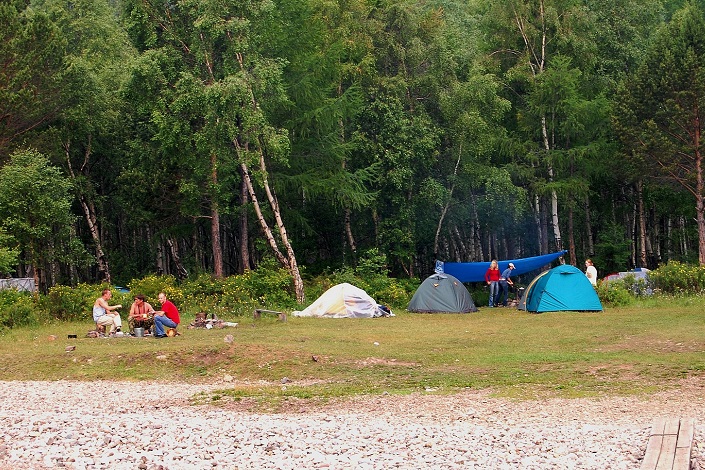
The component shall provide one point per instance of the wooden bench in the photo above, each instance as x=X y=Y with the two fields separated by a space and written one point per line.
x=258 y=314
x=669 y=444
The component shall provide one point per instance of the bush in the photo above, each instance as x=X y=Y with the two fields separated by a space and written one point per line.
x=270 y=285
x=392 y=292
x=615 y=293
x=71 y=303
x=76 y=303
x=16 y=308
x=150 y=286
x=678 y=278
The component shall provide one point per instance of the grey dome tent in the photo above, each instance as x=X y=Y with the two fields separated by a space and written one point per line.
x=441 y=293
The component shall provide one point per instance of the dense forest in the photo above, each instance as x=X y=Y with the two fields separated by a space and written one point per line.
x=206 y=136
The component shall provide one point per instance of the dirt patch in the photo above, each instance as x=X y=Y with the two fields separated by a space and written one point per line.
x=378 y=361
x=638 y=343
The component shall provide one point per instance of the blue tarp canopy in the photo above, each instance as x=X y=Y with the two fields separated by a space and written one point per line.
x=475 y=272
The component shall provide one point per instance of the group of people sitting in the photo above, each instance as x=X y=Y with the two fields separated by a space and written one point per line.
x=142 y=315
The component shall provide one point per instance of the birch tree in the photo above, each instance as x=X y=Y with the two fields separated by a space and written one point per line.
x=215 y=113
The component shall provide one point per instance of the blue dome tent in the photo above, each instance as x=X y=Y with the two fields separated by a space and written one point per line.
x=562 y=288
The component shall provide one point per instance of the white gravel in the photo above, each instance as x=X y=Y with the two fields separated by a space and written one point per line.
x=91 y=425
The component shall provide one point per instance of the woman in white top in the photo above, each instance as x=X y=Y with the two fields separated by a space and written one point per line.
x=591 y=272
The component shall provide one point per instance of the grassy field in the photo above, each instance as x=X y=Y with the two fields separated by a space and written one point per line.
x=619 y=351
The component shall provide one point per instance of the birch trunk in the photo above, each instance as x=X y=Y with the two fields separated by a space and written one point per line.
x=181 y=271
x=588 y=227
x=571 y=239
x=244 y=227
x=290 y=260
x=447 y=204
x=642 y=223
x=349 y=234
x=90 y=214
x=215 y=224
x=537 y=64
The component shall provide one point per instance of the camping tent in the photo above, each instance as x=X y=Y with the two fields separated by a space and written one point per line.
x=342 y=301
x=637 y=273
x=441 y=293
x=564 y=287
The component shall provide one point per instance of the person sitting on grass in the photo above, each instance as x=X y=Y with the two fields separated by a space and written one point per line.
x=104 y=314
x=168 y=316
x=141 y=314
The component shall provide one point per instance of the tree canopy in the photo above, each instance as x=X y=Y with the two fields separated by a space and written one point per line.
x=186 y=137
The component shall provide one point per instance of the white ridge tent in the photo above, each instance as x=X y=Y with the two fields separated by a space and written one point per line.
x=342 y=301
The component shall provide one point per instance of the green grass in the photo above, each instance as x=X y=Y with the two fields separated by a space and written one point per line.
x=633 y=350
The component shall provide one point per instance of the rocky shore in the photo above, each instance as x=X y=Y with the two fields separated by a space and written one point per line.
x=118 y=425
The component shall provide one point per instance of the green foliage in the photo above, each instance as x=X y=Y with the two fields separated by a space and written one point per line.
x=612 y=250
x=398 y=121
x=8 y=254
x=267 y=287
x=615 y=294
x=657 y=115
x=71 y=302
x=150 y=286
x=67 y=303
x=16 y=308
x=392 y=292
x=679 y=278
x=372 y=263
x=35 y=209
x=31 y=51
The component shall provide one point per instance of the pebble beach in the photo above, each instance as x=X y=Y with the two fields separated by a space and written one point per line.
x=96 y=425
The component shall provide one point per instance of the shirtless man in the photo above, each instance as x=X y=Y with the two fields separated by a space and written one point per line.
x=141 y=314
x=105 y=314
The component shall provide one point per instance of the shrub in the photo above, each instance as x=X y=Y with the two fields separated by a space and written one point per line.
x=615 y=293
x=270 y=285
x=16 y=308
x=678 y=278
x=390 y=291
x=150 y=286
x=72 y=303
x=76 y=303
x=372 y=263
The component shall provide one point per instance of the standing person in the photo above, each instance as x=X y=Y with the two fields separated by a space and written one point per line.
x=141 y=314
x=591 y=272
x=492 y=279
x=504 y=283
x=104 y=314
x=168 y=316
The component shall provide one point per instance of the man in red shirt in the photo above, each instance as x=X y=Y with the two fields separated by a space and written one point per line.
x=168 y=316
